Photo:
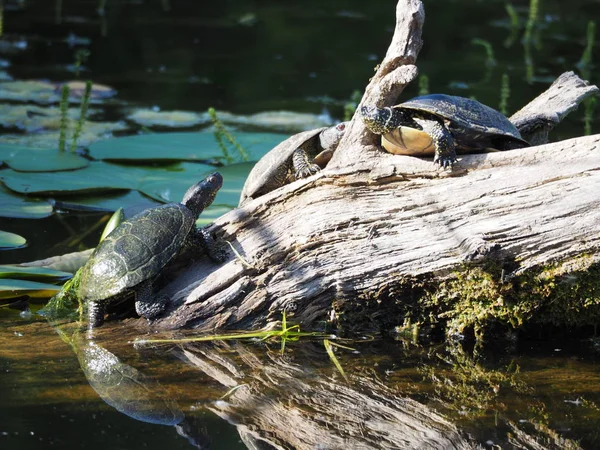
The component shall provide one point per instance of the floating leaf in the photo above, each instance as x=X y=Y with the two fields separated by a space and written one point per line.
x=28 y=159
x=70 y=262
x=41 y=92
x=11 y=240
x=98 y=91
x=281 y=121
x=10 y=288
x=168 y=119
x=97 y=176
x=37 y=91
x=92 y=132
x=34 y=118
x=234 y=177
x=132 y=201
x=32 y=273
x=194 y=146
x=17 y=207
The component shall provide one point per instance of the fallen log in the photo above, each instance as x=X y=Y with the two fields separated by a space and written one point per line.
x=382 y=241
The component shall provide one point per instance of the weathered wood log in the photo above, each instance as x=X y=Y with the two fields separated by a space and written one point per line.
x=379 y=239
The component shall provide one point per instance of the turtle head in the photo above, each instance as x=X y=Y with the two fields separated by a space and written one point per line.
x=380 y=120
x=331 y=137
x=202 y=194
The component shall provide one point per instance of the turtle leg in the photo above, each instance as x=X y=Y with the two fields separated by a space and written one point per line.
x=146 y=304
x=215 y=250
x=445 y=147
x=303 y=164
x=95 y=314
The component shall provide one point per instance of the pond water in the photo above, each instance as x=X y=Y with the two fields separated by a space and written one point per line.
x=57 y=390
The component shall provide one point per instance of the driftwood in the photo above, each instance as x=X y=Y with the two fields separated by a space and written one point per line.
x=374 y=226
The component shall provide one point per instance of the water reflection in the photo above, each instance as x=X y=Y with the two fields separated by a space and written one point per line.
x=277 y=401
x=132 y=393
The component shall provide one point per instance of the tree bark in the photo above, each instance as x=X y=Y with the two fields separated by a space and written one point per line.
x=375 y=228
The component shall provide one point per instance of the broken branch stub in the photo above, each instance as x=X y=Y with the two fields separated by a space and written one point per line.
x=395 y=71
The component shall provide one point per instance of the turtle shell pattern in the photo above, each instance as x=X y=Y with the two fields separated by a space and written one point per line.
x=467 y=117
x=135 y=251
x=271 y=170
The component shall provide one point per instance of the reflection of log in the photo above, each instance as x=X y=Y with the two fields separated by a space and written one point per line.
x=375 y=227
x=288 y=406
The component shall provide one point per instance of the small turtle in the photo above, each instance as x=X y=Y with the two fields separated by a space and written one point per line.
x=299 y=156
x=440 y=124
x=131 y=256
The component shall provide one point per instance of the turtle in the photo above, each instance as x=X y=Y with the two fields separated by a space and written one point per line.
x=134 y=253
x=440 y=124
x=299 y=156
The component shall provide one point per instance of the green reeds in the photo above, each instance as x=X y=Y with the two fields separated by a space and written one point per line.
x=285 y=334
x=585 y=63
x=514 y=24
x=222 y=134
x=1 y=17
x=64 y=117
x=588 y=114
x=351 y=104
x=532 y=21
x=529 y=39
x=504 y=94
x=585 y=68
x=490 y=60
x=85 y=102
x=423 y=84
x=80 y=57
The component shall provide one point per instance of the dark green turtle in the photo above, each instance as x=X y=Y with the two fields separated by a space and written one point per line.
x=441 y=123
x=131 y=256
x=299 y=156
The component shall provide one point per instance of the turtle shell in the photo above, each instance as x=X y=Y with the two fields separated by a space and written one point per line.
x=135 y=251
x=267 y=172
x=473 y=124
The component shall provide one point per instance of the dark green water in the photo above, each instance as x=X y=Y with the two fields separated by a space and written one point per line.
x=302 y=56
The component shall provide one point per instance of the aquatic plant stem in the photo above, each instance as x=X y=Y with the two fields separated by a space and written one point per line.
x=64 y=119
x=85 y=101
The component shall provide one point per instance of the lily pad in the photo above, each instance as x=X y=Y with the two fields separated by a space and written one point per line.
x=41 y=92
x=17 y=207
x=32 y=273
x=234 y=177
x=130 y=201
x=11 y=240
x=193 y=146
x=34 y=118
x=10 y=288
x=92 y=132
x=27 y=159
x=97 y=177
x=168 y=119
x=282 y=121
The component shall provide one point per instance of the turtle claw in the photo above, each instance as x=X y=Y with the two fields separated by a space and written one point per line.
x=307 y=171
x=445 y=161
